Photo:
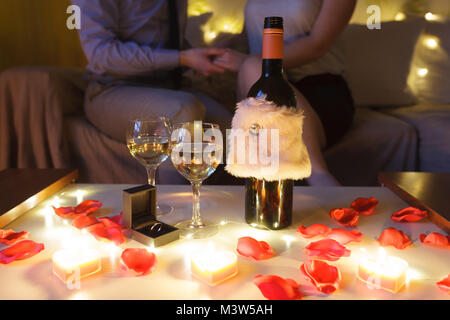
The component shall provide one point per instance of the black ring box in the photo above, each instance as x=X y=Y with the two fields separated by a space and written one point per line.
x=139 y=216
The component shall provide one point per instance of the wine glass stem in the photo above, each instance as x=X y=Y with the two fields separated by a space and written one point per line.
x=196 y=220
x=151 y=175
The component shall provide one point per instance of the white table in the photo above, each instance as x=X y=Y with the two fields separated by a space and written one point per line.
x=33 y=278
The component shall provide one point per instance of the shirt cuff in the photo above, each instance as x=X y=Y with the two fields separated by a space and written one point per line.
x=166 y=59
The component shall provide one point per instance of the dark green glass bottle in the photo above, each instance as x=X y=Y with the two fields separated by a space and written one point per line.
x=269 y=203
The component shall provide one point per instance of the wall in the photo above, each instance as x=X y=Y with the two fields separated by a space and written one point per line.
x=34 y=32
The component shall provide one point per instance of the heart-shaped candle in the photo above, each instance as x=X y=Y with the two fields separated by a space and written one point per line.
x=214 y=267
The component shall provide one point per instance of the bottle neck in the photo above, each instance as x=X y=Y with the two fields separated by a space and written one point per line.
x=272 y=68
x=272 y=52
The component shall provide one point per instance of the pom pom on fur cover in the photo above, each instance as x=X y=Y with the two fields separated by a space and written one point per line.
x=284 y=147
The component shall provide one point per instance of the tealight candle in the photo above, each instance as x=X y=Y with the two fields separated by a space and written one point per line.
x=384 y=272
x=214 y=267
x=68 y=264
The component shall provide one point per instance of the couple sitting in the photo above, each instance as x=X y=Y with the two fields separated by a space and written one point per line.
x=136 y=53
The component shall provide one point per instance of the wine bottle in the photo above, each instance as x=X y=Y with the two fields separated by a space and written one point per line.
x=269 y=203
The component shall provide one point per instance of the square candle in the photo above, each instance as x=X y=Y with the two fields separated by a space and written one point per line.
x=388 y=274
x=71 y=264
x=214 y=267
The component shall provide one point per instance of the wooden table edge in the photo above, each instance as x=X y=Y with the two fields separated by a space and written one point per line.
x=434 y=216
x=34 y=200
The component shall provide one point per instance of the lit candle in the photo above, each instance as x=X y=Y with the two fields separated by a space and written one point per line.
x=384 y=272
x=214 y=267
x=73 y=265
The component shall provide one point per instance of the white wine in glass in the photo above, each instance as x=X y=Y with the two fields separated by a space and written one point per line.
x=150 y=151
x=196 y=161
x=149 y=142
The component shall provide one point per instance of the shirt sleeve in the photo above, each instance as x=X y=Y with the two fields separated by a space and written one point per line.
x=106 y=53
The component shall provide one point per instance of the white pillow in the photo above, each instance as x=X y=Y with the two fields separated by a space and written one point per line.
x=377 y=61
x=431 y=57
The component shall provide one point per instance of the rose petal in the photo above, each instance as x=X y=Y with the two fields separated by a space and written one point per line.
x=345 y=236
x=83 y=221
x=258 y=250
x=394 y=237
x=21 y=250
x=344 y=216
x=117 y=219
x=364 y=206
x=435 y=239
x=313 y=230
x=409 y=214
x=139 y=260
x=87 y=207
x=327 y=249
x=10 y=237
x=444 y=284
x=111 y=233
x=276 y=288
x=64 y=212
x=111 y=222
x=326 y=278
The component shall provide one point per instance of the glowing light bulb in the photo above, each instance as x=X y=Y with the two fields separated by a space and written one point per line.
x=400 y=16
x=431 y=42
x=209 y=36
x=431 y=17
x=422 y=72
x=79 y=194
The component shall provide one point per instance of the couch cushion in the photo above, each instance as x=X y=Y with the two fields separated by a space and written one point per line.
x=376 y=142
x=377 y=62
x=432 y=123
x=432 y=53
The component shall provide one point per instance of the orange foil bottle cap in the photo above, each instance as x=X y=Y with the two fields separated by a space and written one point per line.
x=272 y=43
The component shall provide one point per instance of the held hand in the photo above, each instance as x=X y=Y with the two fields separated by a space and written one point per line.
x=200 y=60
x=231 y=60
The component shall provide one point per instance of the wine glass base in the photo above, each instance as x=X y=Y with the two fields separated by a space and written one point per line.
x=189 y=230
x=163 y=209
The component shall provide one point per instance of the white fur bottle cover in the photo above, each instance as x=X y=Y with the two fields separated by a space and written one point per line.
x=265 y=142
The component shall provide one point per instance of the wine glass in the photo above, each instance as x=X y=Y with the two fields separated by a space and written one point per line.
x=197 y=150
x=149 y=142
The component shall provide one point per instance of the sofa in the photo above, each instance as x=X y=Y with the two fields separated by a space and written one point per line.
x=398 y=125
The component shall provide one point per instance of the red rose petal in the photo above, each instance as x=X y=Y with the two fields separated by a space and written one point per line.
x=10 y=237
x=139 y=260
x=111 y=233
x=444 y=284
x=345 y=236
x=83 y=221
x=436 y=240
x=394 y=237
x=313 y=230
x=22 y=250
x=87 y=207
x=344 y=216
x=276 y=288
x=364 y=206
x=409 y=214
x=258 y=250
x=327 y=249
x=117 y=219
x=326 y=278
x=110 y=222
x=64 y=212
